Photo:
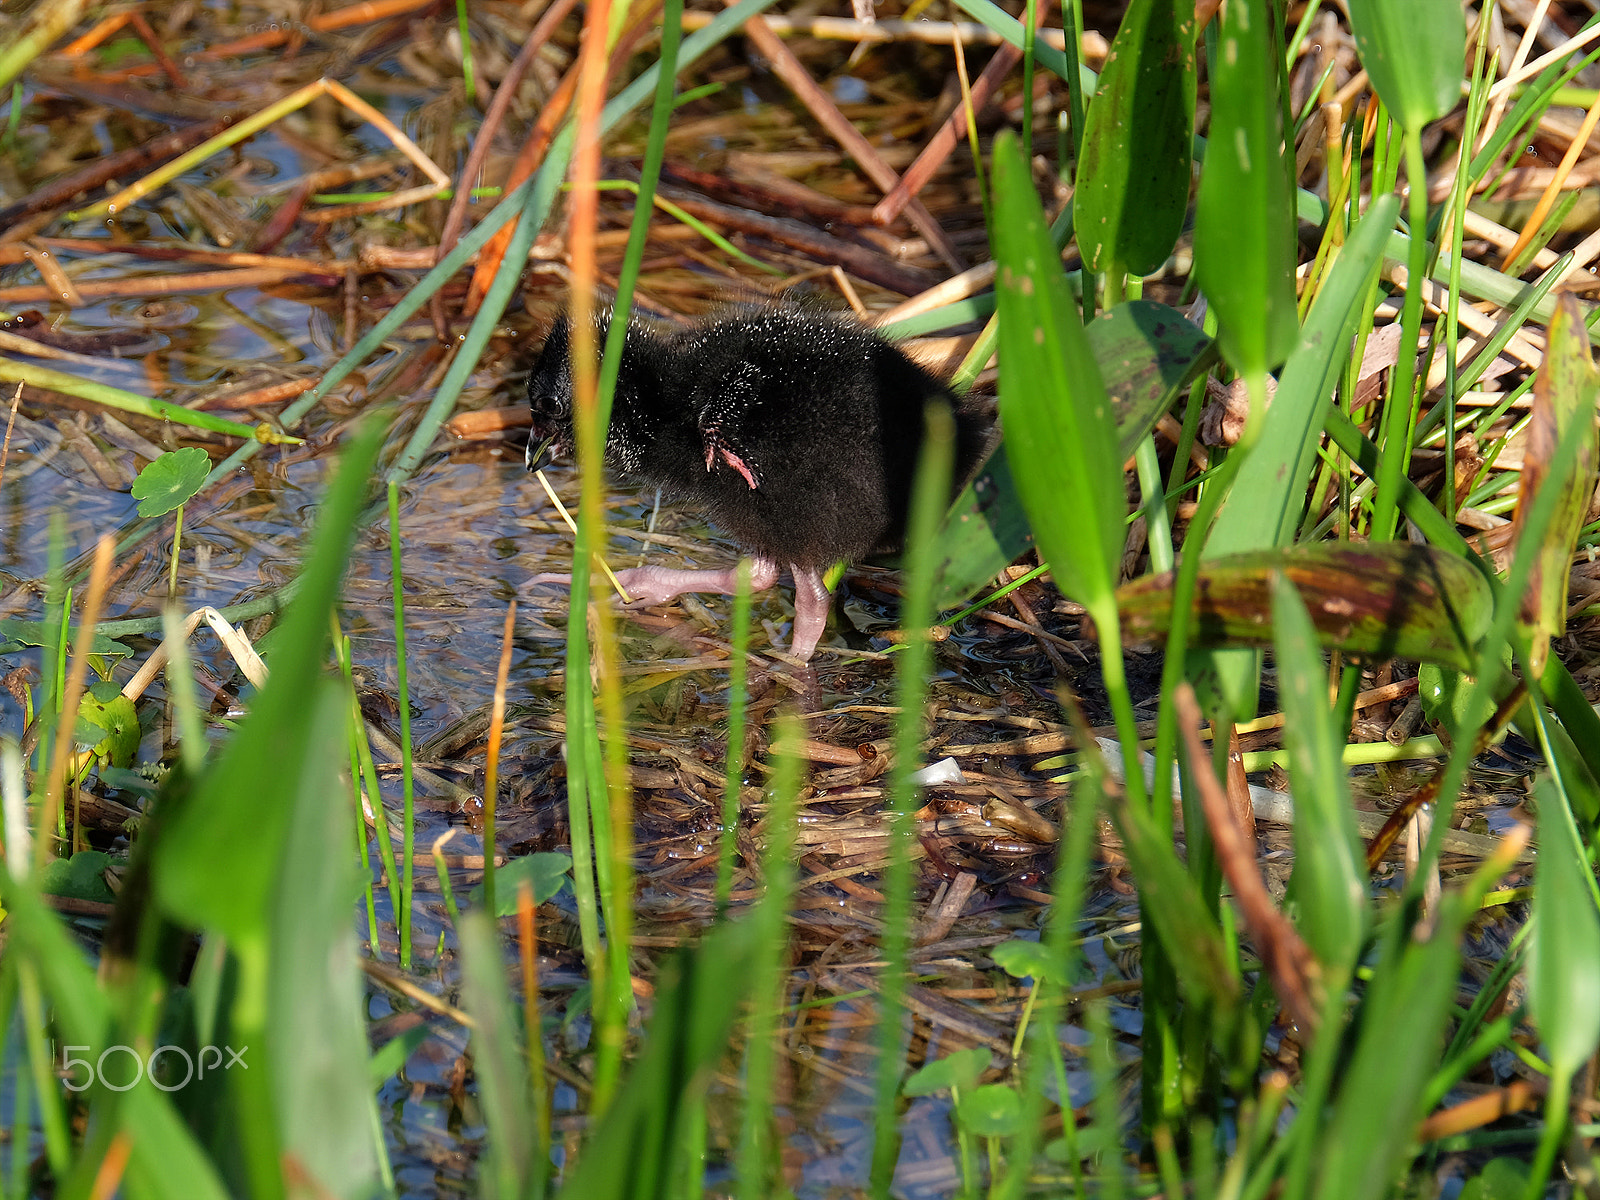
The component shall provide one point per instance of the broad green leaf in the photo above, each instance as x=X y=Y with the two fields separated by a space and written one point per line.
x=1500 y=1179
x=108 y=721
x=1133 y=176
x=1268 y=496
x=34 y=633
x=1022 y=959
x=1414 y=52
x=984 y=532
x=1389 y=600
x=315 y=1009
x=1265 y=504
x=993 y=1110
x=82 y=877
x=1563 y=400
x=1244 y=225
x=960 y=1070
x=1329 y=885
x=546 y=873
x=171 y=480
x=1564 y=954
x=165 y=1158
x=1445 y=693
x=217 y=863
x=1381 y=1092
x=1146 y=353
x=1060 y=430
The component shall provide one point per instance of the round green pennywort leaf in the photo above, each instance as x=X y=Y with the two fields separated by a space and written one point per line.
x=171 y=480
x=1021 y=959
x=960 y=1070
x=993 y=1110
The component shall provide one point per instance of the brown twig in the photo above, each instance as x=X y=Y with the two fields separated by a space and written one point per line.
x=11 y=419
x=1515 y=1097
x=456 y=217
x=163 y=59
x=281 y=34
x=527 y=162
x=165 y=285
x=1285 y=955
x=798 y=80
x=1429 y=791
x=860 y=261
x=112 y=166
x=944 y=141
x=273 y=394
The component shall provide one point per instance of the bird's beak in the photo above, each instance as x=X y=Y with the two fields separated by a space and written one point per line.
x=538 y=455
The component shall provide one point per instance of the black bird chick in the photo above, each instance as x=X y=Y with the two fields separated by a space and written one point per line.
x=797 y=433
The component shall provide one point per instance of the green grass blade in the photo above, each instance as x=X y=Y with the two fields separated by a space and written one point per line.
x=125 y=401
x=315 y=1026
x=930 y=491
x=1264 y=507
x=162 y=1147
x=997 y=20
x=1564 y=952
x=497 y=1058
x=1563 y=401
x=757 y=1158
x=1330 y=878
x=1368 y=1136
x=403 y=699
x=636 y=1147
x=738 y=704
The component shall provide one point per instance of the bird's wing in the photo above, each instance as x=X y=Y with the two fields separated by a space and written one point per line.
x=722 y=421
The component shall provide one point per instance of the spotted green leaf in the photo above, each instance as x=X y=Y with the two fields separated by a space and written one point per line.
x=1133 y=175
x=1060 y=428
x=1563 y=406
x=1374 y=601
x=1564 y=954
x=1146 y=353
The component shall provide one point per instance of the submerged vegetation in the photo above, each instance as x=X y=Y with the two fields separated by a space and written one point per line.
x=1285 y=308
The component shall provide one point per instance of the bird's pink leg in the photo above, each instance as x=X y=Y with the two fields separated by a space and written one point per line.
x=811 y=603
x=658 y=585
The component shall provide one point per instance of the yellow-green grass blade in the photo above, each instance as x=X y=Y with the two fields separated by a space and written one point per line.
x=126 y=401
